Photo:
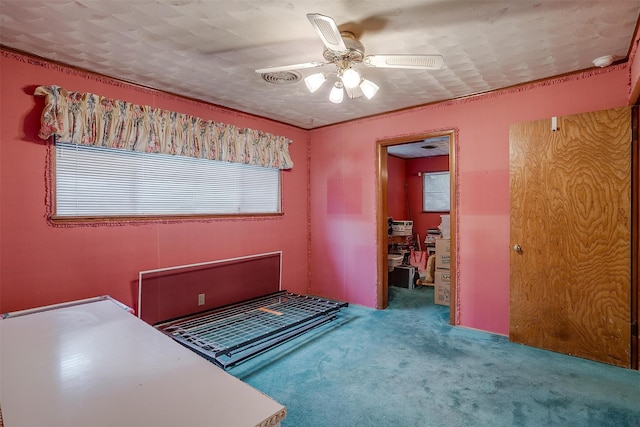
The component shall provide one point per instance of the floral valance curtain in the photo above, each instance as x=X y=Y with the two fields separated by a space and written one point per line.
x=88 y=119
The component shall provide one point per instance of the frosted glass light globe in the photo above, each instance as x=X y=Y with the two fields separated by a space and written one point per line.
x=369 y=88
x=337 y=93
x=314 y=81
x=350 y=78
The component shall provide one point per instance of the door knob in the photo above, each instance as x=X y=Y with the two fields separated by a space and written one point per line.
x=517 y=248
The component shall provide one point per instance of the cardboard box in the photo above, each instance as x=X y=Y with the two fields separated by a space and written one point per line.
x=443 y=245
x=442 y=277
x=443 y=255
x=441 y=294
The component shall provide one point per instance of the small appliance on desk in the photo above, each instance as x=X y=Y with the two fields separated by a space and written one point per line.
x=401 y=228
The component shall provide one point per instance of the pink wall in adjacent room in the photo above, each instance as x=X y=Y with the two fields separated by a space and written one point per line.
x=422 y=221
x=42 y=264
x=343 y=165
x=396 y=200
x=401 y=171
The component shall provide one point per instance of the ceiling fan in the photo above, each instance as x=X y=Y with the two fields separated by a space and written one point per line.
x=347 y=53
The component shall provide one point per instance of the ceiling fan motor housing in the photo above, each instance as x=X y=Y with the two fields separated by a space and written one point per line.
x=354 y=52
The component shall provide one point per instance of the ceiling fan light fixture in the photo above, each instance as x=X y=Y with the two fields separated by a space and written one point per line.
x=314 y=81
x=369 y=88
x=337 y=93
x=343 y=50
x=350 y=78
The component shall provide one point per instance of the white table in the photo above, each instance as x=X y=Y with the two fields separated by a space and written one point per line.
x=95 y=364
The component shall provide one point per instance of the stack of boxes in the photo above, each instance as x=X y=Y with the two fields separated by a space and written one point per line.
x=442 y=279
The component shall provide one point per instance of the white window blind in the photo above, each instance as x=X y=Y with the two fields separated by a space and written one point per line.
x=92 y=181
x=435 y=192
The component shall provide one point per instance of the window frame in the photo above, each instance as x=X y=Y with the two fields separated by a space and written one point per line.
x=162 y=217
x=446 y=193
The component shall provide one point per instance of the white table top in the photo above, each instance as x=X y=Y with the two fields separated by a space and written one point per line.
x=94 y=364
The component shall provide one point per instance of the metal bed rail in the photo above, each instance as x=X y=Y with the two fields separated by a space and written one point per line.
x=234 y=333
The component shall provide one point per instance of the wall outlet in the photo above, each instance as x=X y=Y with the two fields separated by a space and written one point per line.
x=200 y=299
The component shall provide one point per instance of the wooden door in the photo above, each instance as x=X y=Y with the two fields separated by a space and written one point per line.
x=570 y=213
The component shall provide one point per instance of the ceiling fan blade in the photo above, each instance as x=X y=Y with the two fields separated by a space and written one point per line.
x=417 y=62
x=291 y=67
x=328 y=31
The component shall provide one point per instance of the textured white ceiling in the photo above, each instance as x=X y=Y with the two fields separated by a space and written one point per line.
x=430 y=147
x=209 y=49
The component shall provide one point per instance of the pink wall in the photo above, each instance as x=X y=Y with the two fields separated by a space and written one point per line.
x=343 y=167
x=334 y=210
x=41 y=264
x=422 y=221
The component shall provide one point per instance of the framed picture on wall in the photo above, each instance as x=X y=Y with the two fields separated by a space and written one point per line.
x=435 y=192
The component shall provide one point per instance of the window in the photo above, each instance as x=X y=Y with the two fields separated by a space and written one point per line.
x=435 y=192
x=102 y=182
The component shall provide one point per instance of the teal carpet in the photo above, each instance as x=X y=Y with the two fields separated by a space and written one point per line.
x=405 y=366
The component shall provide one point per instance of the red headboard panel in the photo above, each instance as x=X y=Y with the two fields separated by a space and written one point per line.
x=174 y=292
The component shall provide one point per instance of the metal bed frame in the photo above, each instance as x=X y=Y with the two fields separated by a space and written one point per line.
x=234 y=333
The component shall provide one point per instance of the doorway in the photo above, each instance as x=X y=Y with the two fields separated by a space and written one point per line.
x=382 y=215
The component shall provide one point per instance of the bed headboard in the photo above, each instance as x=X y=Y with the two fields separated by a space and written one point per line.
x=173 y=292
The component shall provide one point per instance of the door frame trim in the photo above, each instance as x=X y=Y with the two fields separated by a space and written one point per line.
x=635 y=234
x=382 y=239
